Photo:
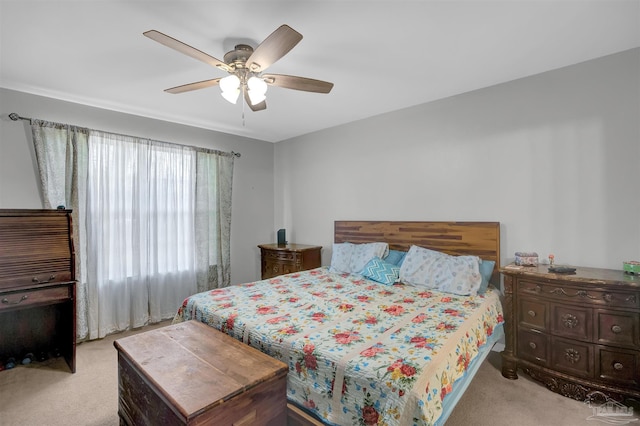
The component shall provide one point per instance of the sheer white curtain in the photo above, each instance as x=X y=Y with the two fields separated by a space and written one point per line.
x=140 y=228
x=153 y=221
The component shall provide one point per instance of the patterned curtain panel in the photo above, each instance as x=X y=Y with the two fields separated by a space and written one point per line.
x=151 y=221
x=213 y=220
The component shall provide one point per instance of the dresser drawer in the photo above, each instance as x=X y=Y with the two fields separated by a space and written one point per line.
x=617 y=328
x=533 y=346
x=573 y=357
x=532 y=313
x=21 y=299
x=568 y=293
x=619 y=365
x=572 y=321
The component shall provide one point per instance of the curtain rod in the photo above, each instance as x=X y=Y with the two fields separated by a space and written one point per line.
x=15 y=117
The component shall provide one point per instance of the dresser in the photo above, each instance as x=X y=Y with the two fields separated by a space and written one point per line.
x=579 y=334
x=37 y=287
x=192 y=374
x=280 y=259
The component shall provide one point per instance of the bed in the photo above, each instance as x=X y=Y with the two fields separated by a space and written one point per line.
x=364 y=352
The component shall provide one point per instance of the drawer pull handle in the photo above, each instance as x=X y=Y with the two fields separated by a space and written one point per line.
x=532 y=313
x=36 y=280
x=616 y=329
x=6 y=301
x=618 y=366
x=569 y=321
x=532 y=345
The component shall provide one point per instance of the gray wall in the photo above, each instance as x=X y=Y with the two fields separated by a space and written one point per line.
x=253 y=204
x=553 y=157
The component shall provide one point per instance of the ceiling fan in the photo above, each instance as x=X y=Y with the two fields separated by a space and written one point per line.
x=245 y=66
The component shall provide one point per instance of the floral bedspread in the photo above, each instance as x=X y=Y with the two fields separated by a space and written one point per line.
x=359 y=352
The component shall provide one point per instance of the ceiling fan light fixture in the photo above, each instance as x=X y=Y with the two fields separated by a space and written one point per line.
x=245 y=66
x=257 y=90
x=230 y=86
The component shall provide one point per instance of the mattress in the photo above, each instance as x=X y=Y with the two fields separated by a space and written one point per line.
x=359 y=352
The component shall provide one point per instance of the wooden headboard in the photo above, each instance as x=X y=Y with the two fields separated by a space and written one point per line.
x=456 y=238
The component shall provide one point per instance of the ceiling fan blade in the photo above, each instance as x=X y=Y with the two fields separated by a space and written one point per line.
x=274 y=47
x=194 y=86
x=186 y=49
x=258 y=107
x=298 y=83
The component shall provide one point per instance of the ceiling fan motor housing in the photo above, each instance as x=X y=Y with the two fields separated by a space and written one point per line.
x=237 y=58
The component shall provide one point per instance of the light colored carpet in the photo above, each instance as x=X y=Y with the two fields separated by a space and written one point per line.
x=48 y=394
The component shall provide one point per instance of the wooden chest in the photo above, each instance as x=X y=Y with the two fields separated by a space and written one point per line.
x=285 y=259
x=192 y=374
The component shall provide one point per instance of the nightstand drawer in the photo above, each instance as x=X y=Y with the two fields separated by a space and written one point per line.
x=282 y=256
x=273 y=269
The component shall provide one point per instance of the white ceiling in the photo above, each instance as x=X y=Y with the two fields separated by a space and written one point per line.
x=381 y=55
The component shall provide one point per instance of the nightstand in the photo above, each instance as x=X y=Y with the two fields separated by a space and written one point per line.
x=287 y=258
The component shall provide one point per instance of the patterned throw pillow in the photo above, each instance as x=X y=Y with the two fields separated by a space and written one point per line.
x=352 y=258
x=381 y=271
x=440 y=271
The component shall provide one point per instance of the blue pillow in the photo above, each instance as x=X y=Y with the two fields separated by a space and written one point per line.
x=380 y=271
x=395 y=257
x=486 y=270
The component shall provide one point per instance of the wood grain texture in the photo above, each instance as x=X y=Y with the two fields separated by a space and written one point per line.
x=37 y=287
x=575 y=333
x=190 y=373
x=35 y=245
x=284 y=259
x=456 y=238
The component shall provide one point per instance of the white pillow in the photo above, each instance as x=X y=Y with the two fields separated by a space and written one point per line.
x=352 y=258
x=440 y=271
